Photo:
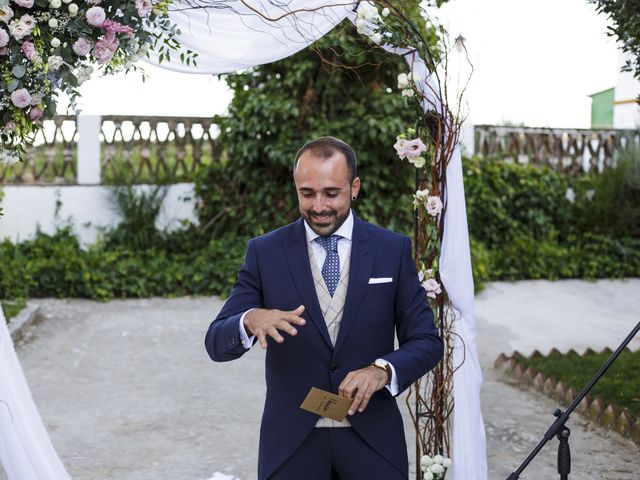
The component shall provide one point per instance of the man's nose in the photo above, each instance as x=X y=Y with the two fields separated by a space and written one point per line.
x=318 y=203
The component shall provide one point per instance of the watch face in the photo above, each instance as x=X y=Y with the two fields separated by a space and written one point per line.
x=381 y=363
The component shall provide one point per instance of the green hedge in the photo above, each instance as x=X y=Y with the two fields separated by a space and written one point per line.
x=522 y=227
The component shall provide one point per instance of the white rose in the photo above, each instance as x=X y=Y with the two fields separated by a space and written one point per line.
x=437 y=469
x=73 y=9
x=423 y=195
x=446 y=463
x=55 y=3
x=408 y=92
x=18 y=30
x=403 y=81
x=438 y=459
x=55 y=43
x=426 y=460
x=418 y=162
x=376 y=38
x=53 y=23
x=55 y=62
x=428 y=476
x=6 y=14
x=385 y=12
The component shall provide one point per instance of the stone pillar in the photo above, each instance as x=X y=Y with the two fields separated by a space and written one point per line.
x=88 y=127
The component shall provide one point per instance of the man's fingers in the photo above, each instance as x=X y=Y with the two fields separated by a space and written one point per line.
x=273 y=333
x=262 y=339
x=342 y=389
x=286 y=327
x=356 y=402
x=365 y=399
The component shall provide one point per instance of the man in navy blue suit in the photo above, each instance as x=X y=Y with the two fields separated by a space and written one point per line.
x=325 y=296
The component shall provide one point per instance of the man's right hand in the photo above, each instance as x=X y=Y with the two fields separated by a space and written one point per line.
x=262 y=323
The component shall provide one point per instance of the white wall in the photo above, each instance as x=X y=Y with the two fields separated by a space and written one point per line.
x=87 y=207
x=626 y=110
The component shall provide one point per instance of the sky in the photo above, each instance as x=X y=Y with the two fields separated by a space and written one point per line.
x=535 y=63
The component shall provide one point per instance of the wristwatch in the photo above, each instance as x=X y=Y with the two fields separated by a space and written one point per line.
x=382 y=364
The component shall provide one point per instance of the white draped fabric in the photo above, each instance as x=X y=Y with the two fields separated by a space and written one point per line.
x=25 y=448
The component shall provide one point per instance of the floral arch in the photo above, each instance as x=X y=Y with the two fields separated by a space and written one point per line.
x=222 y=36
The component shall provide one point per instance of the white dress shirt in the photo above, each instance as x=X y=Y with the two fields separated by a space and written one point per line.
x=345 y=232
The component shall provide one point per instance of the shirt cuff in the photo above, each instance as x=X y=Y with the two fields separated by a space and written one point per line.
x=247 y=341
x=392 y=386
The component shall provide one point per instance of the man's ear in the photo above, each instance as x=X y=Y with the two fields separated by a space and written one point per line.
x=355 y=188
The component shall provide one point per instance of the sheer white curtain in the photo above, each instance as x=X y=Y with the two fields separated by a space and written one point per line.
x=25 y=448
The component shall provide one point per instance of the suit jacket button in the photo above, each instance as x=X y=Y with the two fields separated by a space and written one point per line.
x=333 y=367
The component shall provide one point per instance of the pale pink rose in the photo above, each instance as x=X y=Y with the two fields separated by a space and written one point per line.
x=414 y=148
x=28 y=21
x=29 y=50
x=105 y=49
x=82 y=47
x=144 y=7
x=18 y=30
x=55 y=62
x=10 y=127
x=434 y=206
x=432 y=287
x=399 y=146
x=4 y=38
x=95 y=16
x=6 y=14
x=24 y=3
x=35 y=114
x=21 y=98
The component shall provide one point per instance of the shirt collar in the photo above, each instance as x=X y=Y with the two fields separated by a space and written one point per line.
x=345 y=230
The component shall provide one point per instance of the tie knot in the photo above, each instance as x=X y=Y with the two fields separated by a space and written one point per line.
x=330 y=243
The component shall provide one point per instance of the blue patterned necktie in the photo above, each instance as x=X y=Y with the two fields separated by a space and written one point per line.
x=331 y=267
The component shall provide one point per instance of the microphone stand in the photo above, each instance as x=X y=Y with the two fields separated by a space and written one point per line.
x=559 y=429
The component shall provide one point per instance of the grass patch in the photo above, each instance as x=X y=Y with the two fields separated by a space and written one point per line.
x=619 y=385
x=11 y=308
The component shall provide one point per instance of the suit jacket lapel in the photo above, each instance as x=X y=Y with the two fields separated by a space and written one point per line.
x=362 y=259
x=297 y=255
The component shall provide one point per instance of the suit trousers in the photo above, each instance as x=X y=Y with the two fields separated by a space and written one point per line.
x=336 y=454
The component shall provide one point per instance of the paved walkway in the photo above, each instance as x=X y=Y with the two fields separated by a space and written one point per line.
x=128 y=392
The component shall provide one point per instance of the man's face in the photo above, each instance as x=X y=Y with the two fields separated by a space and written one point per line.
x=324 y=191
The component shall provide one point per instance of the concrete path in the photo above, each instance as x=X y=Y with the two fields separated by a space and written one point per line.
x=128 y=392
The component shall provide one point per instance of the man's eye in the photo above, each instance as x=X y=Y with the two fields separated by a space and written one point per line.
x=332 y=195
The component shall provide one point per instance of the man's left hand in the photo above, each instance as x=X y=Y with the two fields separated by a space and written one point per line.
x=360 y=385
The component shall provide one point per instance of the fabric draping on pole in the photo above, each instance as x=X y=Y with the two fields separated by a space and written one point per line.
x=233 y=35
x=468 y=446
x=26 y=451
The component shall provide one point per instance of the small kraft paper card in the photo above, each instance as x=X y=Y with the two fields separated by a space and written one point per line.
x=326 y=404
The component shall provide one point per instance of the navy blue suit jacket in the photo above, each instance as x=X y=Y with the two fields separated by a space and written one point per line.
x=277 y=274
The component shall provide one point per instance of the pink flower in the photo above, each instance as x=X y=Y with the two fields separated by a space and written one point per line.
x=113 y=27
x=4 y=38
x=82 y=47
x=21 y=98
x=10 y=127
x=29 y=50
x=35 y=114
x=105 y=49
x=414 y=148
x=95 y=16
x=432 y=287
x=24 y=3
x=400 y=146
x=434 y=206
x=144 y=7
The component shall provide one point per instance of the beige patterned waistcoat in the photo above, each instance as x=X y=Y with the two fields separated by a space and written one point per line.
x=332 y=309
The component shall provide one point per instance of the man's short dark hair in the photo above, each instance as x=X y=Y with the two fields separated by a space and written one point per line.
x=326 y=147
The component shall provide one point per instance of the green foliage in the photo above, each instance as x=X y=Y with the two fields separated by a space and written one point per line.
x=522 y=226
x=56 y=266
x=619 y=385
x=139 y=209
x=625 y=18
x=11 y=308
x=278 y=107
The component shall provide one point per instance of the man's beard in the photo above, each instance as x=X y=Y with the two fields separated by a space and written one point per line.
x=328 y=224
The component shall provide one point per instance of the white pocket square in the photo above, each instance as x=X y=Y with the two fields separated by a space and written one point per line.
x=374 y=280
